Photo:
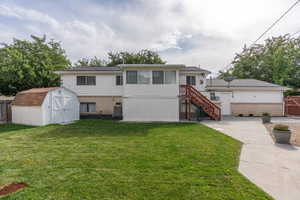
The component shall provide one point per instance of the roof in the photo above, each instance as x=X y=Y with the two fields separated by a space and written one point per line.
x=194 y=69
x=152 y=65
x=243 y=83
x=32 y=97
x=100 y=68
x=118 y=68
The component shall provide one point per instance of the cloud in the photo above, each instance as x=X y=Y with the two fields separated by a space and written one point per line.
x=192 y=32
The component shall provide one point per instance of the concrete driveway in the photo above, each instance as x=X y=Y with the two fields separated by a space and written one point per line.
x=273 y=167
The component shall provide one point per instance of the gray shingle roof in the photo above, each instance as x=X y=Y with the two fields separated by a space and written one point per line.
x=241 y=83
x=83 y=68
x=152 y=65
x=117 y=68
x=194 y=69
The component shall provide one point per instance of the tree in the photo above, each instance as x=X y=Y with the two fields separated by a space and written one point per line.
x=142 y=57
x=276 y=61
x=30 y=64
x=91 y=62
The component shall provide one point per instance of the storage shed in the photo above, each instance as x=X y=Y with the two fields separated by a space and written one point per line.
x=42 y=106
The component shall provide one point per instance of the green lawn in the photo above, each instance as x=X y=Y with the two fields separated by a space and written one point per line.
x=95 y=159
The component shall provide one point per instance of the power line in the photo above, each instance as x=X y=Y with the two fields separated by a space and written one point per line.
x=282 y=16
x=269 y=28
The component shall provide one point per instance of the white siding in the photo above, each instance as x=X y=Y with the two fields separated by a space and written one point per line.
x=198 y=77
x=151 y=109
x=151 y=90
x=30 y=115
x=151 y=102
x=105 y=85
x=249 y=96
x=226 y=98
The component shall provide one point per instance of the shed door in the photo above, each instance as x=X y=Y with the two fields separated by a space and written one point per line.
x=63 y=109
x=68 y=110
x=58 y=109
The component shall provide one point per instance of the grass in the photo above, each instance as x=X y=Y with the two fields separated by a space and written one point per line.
x=94 y=159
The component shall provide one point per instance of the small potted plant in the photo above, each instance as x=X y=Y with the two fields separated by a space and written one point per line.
x=282 y=134
x=266 y=118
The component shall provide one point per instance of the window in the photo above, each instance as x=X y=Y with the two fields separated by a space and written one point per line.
x=190 y=80
x=131 y=77
x=170 y=77
x=164 y=77
x=86 y=80
x=143 y=77
x=87 y=107
x=138 y=77
x=119 y=80
x=213 y=96
x=158 y=77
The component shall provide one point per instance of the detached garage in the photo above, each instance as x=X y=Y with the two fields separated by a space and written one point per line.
x=248 y=97
x=42 y=106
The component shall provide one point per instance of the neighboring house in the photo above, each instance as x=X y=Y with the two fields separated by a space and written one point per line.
x=42 y=106
x=6 y=98
x=157 y=92
x=5 y=109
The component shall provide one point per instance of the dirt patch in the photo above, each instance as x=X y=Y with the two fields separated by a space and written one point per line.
x=294 y=127
x=12 y=188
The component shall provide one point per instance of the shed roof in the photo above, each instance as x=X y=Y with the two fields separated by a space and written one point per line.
x=32 y=97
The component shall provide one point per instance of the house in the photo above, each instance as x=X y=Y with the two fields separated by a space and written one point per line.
x=42 y=106
x=165 y=92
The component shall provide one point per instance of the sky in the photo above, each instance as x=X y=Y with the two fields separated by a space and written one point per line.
x=204 y=33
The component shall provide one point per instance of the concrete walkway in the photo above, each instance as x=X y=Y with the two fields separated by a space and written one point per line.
x=273 y=167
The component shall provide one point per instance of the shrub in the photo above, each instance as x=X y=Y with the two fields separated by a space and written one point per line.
x=281 y=127
x=266 y=114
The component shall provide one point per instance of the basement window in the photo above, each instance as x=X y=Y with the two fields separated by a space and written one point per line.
x=87 y=107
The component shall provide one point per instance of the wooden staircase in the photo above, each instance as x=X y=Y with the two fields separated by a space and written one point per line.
x=192 y=96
